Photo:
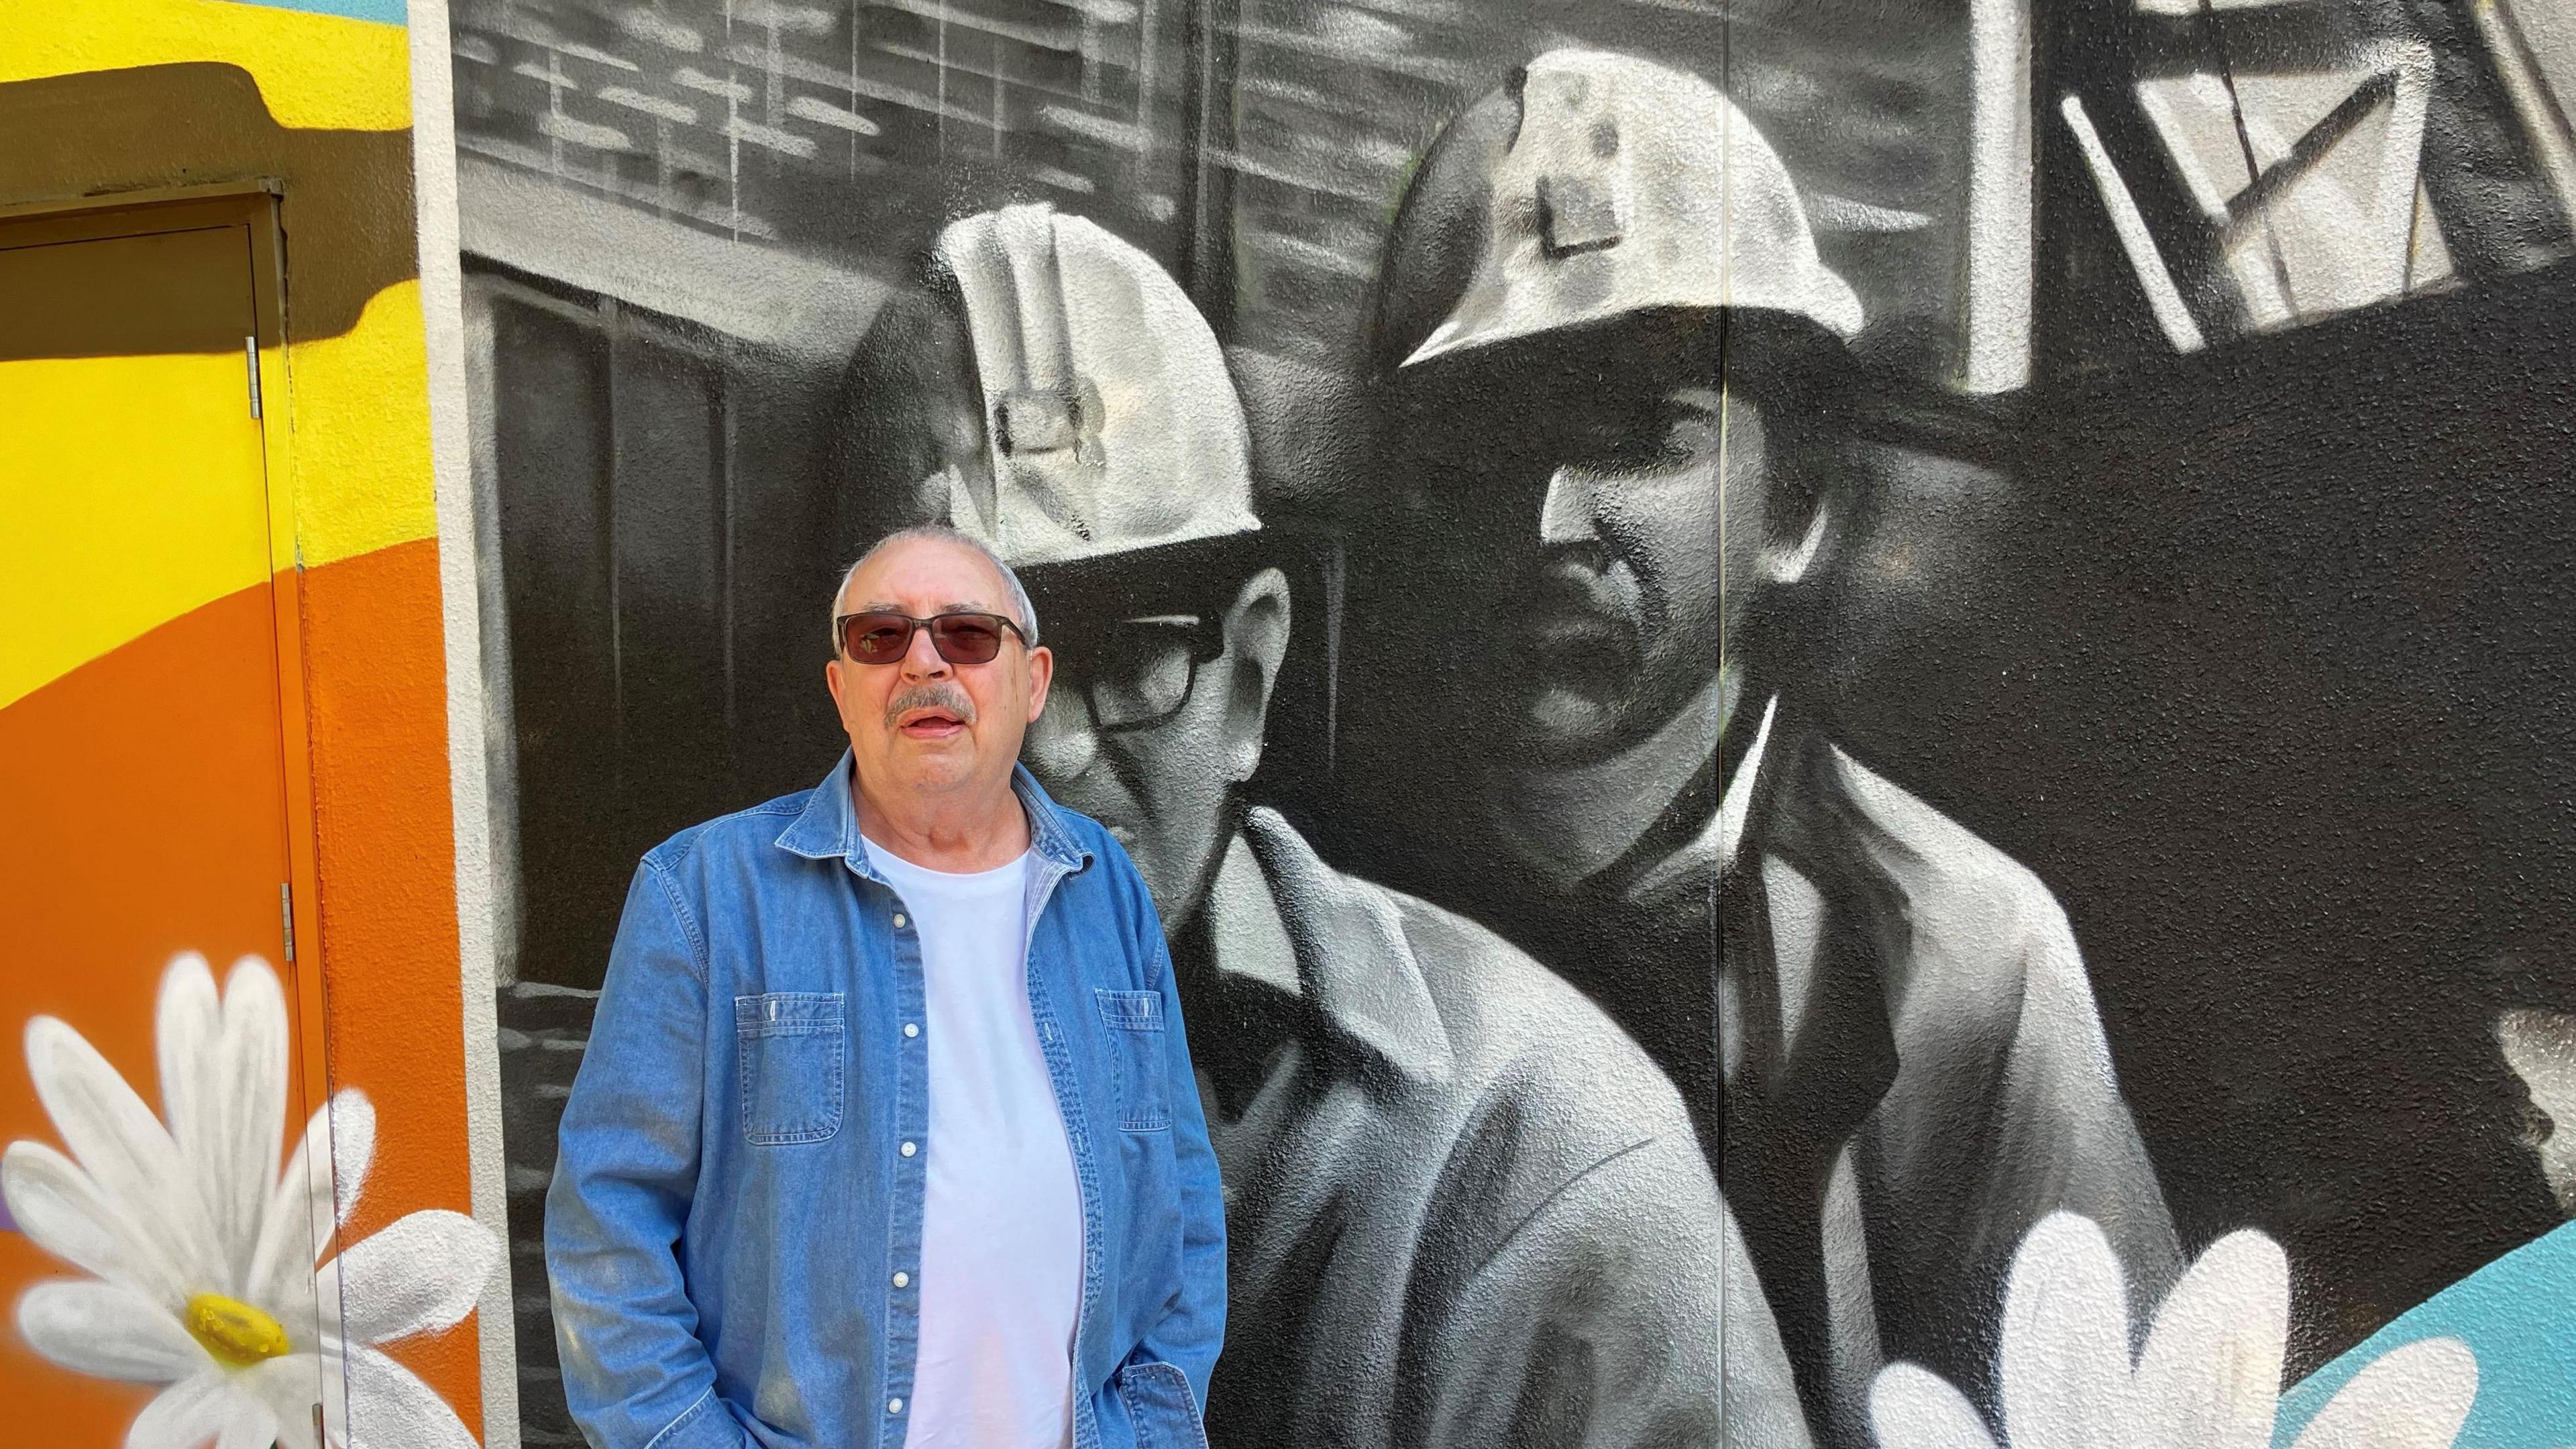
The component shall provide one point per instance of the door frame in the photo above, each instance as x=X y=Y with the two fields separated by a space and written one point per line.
x=253 y=206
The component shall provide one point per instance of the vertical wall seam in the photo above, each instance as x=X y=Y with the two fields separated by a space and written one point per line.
x=442 y=309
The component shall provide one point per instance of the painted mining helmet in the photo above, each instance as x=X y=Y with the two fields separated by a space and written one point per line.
x=1110 y=421
x=1591 y=186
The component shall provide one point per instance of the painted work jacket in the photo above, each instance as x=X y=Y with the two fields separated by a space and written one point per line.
x=734 y=1231
x=1915 y=1073
x=1464 y=1210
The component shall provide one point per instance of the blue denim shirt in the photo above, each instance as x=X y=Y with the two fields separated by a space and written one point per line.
x=742 y=1159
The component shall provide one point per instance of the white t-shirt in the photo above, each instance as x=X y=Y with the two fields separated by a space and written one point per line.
x=1001 y=1242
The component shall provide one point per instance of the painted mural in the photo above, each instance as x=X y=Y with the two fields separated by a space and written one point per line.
x=1852 y=720
x=232 y=1093
x=199 y=1248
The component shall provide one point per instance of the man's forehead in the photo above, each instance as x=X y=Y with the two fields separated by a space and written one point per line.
x=951 y=575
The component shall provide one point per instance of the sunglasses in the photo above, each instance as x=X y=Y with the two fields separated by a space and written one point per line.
x=883 y=636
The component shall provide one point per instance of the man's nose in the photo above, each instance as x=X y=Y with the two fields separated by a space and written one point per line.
x=1566 y=516
x=1062 y=744
x=921 y=659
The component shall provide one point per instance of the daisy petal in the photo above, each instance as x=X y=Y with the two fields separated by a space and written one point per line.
x=247 y=1423
x=1913 y=1408
x=2414 y=1397
x=390 y=1408
x=108 y=1331
x=423 y=1272
x=295 y=1227
x=188 y=1030
x=62 y=1210
x=121 y=1145
x=2066 y=1339
x=353 y=1148
x=290 y=1387
x=185 y=1416
x=2211 y=1372
x=224 y=1075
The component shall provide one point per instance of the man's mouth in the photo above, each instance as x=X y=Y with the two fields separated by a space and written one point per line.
x=929 y=724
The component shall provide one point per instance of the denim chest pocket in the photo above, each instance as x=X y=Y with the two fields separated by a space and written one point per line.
x=791 y=1044
x=1135 y=1022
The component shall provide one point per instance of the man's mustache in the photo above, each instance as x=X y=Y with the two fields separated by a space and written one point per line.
x=943 y=696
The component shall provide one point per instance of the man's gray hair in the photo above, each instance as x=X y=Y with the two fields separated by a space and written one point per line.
x=1026 y=612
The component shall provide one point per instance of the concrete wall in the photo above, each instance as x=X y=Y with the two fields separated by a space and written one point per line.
x=1975 y=648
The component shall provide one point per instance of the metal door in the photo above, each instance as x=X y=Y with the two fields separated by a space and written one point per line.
x=155 y=1076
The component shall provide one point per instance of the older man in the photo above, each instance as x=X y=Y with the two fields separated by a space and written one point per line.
x=1621 y=374
x=1463 y=1209
x=888 y=1133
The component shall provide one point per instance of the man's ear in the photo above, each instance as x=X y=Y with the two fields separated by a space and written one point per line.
x=1256 y=641
x=1041 y=678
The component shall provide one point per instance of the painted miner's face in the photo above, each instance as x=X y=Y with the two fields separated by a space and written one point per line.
x=1600 y=509
x=1628 y=593
x=1169 y=658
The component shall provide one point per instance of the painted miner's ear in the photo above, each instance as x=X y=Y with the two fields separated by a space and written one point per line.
x=1788 y=557
x=1802 y=513
x=1256 y=642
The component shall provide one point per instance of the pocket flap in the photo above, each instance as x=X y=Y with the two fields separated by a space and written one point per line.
x=787 y=1013
x=1159 y=1402
x=1131 y=1010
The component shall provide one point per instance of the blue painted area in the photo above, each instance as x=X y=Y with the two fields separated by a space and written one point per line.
x=389 y=12
x=2518 y=1315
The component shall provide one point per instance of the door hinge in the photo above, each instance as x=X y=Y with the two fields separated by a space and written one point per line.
x=286 y=915
x=250 y=350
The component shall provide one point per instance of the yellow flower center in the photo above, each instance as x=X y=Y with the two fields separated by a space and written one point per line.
x=235 y=1333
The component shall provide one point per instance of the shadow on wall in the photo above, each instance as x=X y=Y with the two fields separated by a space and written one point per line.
x=201 y=122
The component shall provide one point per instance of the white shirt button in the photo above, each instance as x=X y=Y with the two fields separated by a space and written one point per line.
x=912 y=1028
x=903 y=1280
x=898 y=920
x=908 y=1149
x=894 y=1406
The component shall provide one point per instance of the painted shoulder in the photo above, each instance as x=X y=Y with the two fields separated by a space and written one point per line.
x=1510 y=1018
x=1947 y=880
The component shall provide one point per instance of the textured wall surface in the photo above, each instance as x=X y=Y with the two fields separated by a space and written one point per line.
x=1956 y=608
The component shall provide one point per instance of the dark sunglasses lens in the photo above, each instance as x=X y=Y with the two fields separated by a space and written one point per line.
x=966 y=638
x=876 y=638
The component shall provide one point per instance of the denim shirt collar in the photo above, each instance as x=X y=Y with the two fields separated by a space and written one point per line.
x=829 y=824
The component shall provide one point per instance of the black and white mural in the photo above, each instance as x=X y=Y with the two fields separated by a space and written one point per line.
x=1854 y=720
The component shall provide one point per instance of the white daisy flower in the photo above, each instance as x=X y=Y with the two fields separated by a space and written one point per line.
x=201 y=1252
x=2209 y=1377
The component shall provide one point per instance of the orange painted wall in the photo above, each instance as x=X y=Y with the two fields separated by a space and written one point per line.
x=376 y=680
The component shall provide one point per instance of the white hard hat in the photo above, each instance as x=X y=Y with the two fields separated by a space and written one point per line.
x=1613 y=185
x=1110 y=421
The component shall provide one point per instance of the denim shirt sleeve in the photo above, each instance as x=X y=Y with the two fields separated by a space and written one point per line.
x=634 y=1371
x=1193 y=1328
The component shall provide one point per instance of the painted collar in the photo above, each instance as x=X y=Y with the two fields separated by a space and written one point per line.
x=1298 y=926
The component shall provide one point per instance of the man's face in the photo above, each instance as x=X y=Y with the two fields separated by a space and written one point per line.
x=1605 y=511
x=923 y=726
x=1162 y=713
